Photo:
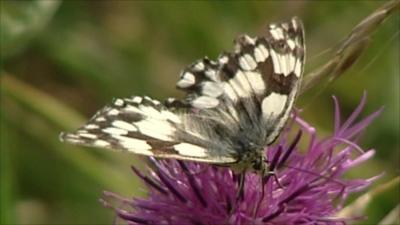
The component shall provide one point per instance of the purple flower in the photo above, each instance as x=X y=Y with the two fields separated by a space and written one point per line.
x=307 y=187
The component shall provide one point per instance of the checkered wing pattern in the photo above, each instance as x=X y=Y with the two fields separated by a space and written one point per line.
x=242 y=98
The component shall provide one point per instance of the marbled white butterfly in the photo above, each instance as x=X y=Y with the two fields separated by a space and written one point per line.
x=234 y=107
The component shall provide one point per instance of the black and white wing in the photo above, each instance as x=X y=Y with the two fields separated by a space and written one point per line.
x=247 y=94
x=257 y=83
x=144 y=126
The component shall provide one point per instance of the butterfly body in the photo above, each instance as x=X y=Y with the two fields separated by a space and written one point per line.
x=233 y=109
x=224 y=135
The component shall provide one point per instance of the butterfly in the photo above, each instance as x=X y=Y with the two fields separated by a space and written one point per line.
x=234 y=106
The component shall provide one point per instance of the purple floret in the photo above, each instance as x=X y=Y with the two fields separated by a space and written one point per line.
x=307 y=187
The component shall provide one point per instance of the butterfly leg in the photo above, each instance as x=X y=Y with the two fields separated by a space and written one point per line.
x=277 y=162
x=241 y=181
x=263 y=181
x=240 y=178
x=268 y=171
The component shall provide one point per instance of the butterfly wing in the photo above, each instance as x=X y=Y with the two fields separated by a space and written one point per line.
x=256 y=84
x=250 y=91
x=144 y=126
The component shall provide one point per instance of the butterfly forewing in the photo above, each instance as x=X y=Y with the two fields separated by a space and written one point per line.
x=143 y=126
x=283 y=72
x=257 y=83
x=243 y=97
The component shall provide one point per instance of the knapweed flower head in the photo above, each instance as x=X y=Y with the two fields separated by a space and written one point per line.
x=307 y=185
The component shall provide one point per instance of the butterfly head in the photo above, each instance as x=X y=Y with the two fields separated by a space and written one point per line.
x=259 y=165
x=252 y=157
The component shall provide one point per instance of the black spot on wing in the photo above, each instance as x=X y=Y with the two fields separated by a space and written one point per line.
x=230 y=68
x=281 y=84
x=173 y=103
x=244 y=45
x=162 y=147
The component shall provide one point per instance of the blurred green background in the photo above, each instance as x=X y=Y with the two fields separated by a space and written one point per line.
x=63 y=60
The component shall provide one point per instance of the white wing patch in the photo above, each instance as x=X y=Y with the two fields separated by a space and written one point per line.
x=124 y=125
x=256 y=81
x=230 y=92
x=247 y=62
x=156 y=128
x=260 y=53
x=190 y=150
x=277 y=32
x=211 y=89
x=133 y=144
x=299 y=67
x=273 y=105
x=114 y=131
x=187 y=80
x=205 y=102
x=241 y=85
